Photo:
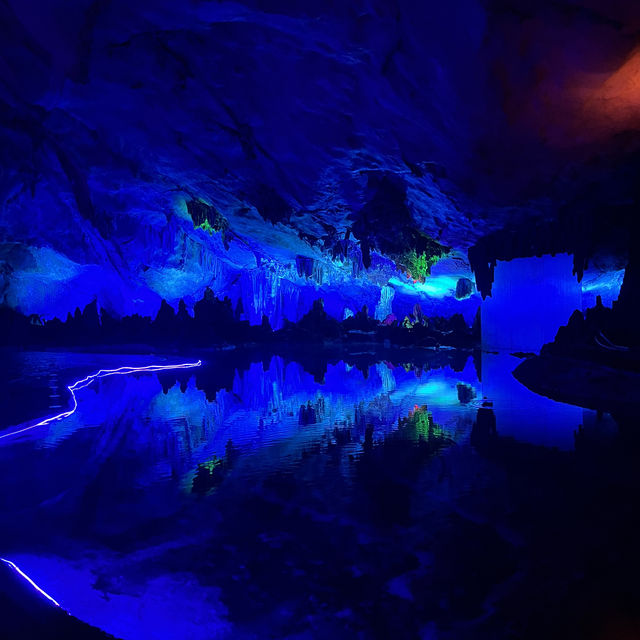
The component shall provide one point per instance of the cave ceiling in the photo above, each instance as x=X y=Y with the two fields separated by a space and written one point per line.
x=151 y=149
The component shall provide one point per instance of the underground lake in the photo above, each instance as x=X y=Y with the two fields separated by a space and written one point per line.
x=355 y=497
x=319 y=320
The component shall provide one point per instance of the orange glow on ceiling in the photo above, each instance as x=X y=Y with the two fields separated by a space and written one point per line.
x=606 y=104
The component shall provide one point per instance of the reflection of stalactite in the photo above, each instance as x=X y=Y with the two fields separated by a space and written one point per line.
x=419 y=424
x=484 y=429
x=308 y=414
x=387 y=377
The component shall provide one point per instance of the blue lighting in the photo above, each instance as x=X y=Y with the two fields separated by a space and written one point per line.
x=530 y=299
x=604 y=284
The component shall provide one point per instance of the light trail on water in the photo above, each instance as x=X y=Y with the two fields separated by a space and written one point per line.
x=85 y=382
x=76 y=386
x=25 y=577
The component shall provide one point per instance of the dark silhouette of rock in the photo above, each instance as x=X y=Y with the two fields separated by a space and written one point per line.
x=484 y=429
x=464 y=288
x=215 y=323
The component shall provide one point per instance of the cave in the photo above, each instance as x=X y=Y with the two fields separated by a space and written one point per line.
x=319 y=319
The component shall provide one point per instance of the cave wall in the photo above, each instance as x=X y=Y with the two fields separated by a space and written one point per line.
x=279 y=152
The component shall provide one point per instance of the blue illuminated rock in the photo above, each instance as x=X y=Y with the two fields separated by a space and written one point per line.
x=281 y=154
x=531 y=298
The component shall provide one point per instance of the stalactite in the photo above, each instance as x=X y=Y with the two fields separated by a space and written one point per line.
x=383 y=308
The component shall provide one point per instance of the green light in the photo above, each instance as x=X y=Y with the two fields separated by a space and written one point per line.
x=419 y=265
x=420 y=425
x=206 y=226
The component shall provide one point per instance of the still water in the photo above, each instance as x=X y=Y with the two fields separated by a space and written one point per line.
x=255 y=497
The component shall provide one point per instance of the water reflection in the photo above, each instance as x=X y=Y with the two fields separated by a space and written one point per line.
x=262 y=495
x=523 y=414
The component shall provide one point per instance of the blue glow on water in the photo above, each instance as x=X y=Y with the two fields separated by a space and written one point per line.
x=523 y=414
x=148 y=485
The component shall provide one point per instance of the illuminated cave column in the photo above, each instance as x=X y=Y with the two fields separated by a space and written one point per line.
x=383 y=308
x=530 y=299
